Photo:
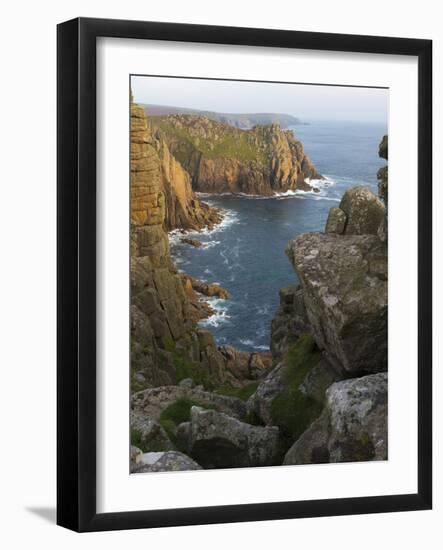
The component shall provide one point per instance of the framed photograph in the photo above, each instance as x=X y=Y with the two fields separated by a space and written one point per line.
x=244 y=316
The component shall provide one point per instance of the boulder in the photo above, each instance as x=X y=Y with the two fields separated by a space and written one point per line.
x=364 y=211
x=344 y=281
x=260 y=403
x=336 y=221
x=358 y=417
x=150 y=434
x=312 y=446
x=135 y=454
x=217 y=440
x=170 y=461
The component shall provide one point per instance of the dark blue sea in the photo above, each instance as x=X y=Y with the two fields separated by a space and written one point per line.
x=246 y=253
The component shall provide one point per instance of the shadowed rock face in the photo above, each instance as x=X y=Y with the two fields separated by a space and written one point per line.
x=290 y=321
x=219 y=441
x=220 y=158
x=344 y=281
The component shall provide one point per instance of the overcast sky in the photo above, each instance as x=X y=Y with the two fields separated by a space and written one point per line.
x=309 y=102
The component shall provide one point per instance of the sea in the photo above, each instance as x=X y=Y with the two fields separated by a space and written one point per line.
x=245 y=254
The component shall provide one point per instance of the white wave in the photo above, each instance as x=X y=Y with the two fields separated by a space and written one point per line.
x=210 y=244
x=220 y=315
x=263 y=310
x=229 y=217
x=250 y=343
x=246 y=342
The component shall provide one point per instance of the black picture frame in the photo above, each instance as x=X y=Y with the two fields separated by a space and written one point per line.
x=76 y=278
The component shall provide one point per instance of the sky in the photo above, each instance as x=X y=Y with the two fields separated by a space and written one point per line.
x=306 y=101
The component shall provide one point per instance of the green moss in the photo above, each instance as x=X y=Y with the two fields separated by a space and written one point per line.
x=168 y=344
x=242 y=393
x=170 y=428
x=184 y=368
x=136 y=438
x=253 y=418
x=291 y=410
x=176 y=413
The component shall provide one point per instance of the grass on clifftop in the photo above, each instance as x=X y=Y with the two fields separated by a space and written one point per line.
x=227 y=141
x=291 y=410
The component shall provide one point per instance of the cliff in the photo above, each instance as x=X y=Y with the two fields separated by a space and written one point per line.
x=166 y=344
x=244 y=121
x=220 y=158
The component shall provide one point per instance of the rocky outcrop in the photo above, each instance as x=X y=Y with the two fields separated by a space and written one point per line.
x=245 y=365
x=216 y=440
x=353 y=425
x=219 y=158
x=211 y=290
x=345 y=290
x=360 y=213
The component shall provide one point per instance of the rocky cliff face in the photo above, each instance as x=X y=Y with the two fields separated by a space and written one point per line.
x=183 y=210
x=337 y=393
x=262 y=161
x=166 y=346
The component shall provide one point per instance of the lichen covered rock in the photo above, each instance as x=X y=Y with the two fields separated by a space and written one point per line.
x=364 y=211
x=336 y=221
x=170 y=461
x=344 y=281
x=358 y=417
